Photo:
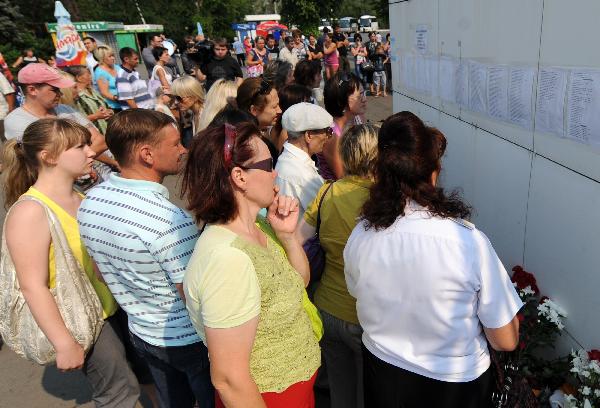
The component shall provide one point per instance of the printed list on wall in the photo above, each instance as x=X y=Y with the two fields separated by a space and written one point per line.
x=567 y=103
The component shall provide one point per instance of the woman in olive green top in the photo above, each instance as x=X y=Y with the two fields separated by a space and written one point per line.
x=243 y=290
x=340 y=208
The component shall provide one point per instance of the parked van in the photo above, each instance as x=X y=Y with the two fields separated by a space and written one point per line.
x=348 y=24
x=368 y=23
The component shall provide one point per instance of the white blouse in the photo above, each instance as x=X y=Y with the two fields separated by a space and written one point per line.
x=424 y=287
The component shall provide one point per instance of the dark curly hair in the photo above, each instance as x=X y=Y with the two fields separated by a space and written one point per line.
x=408 y=154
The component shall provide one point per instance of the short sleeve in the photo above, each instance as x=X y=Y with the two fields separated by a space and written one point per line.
x=310 y=215
x=172 y=248
x=351 y=261
x=498 y=299
x=229 y=290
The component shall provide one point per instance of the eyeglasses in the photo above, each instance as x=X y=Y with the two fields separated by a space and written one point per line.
x=328 y=132
x=264 y=165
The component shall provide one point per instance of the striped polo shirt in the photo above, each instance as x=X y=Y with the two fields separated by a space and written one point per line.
x=141 y=243
x=131 y=86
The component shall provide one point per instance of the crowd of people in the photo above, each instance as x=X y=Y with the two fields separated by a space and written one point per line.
x=225 y=303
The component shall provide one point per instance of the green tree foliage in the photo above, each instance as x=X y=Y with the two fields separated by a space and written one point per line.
x=302 y=13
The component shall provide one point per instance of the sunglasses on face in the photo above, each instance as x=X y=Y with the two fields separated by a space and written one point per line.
x=328 y=132
x=264 y=165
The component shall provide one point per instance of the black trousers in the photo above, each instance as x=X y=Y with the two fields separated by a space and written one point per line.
x=388 y=386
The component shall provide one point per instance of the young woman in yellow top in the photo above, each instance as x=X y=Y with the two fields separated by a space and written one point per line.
x=44 y=164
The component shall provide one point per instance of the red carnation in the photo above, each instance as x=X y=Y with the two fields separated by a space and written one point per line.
x=594 y=355
x=523 y=279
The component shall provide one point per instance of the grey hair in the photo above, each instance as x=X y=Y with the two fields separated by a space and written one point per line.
x=295 y=135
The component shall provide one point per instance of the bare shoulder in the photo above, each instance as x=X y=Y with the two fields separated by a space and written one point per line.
x=26 y=216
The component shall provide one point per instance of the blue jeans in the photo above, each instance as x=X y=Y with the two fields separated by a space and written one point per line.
x=181 y=373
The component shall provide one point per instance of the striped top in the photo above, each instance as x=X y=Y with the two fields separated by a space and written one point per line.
x=141 y=243
x=131 y=86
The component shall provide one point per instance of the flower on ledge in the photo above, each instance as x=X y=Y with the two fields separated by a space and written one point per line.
x=552 y=312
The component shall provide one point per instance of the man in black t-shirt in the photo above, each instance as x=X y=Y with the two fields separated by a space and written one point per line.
x=342 y=43
x=272 y=47
x=220 y=65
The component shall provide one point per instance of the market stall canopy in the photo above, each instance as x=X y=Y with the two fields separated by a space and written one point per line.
x=270 y=25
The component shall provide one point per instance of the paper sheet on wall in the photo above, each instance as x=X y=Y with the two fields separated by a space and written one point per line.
x=447 y=79
x=421 y=74
x=477 y=87
x=421 y=42
x=408 y=72
x=497 y=91
x=431 y=64
x=549 y=113
x=462 y=84
x=583 y=109
x=520 y=96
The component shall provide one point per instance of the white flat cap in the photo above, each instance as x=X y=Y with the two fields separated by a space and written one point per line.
x=306 y=116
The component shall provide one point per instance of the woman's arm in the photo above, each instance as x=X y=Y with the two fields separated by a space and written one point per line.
x=18 y=62
x=250 y=59
x=283 y=217
x=328 y=50
x=103 y=88
x=229 y=351
x=163 y=78
x=332 y=156
x=504 y=338
x=28 y=240
x=98 y=144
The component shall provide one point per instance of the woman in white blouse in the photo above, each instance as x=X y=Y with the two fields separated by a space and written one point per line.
x=430 y=289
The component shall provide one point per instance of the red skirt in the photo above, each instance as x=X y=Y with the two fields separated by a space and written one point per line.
x=299 y=395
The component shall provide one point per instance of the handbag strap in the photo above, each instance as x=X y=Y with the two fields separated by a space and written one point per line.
x=319 y=208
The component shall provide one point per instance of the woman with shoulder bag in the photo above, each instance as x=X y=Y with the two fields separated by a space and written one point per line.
x=257 y=58
x=336 y=207
x=66 y=310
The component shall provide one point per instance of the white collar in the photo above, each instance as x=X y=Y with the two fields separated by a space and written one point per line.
x=299 y=154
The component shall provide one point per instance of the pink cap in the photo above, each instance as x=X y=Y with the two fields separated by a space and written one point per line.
x=38 y=73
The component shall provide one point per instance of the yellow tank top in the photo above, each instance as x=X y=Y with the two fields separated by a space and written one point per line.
x=71 y=230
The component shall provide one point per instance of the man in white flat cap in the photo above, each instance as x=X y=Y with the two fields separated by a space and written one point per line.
x=308 y=127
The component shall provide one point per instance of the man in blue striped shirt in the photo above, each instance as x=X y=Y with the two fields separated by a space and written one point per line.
x=132 y=90
x=141 y=243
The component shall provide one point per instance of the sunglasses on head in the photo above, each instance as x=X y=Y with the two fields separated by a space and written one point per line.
x=265 y=88
x=264 y=165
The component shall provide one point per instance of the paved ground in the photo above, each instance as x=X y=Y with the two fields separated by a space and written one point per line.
x=24 y=384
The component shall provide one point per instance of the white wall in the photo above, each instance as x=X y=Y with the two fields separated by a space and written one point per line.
x=535 y=195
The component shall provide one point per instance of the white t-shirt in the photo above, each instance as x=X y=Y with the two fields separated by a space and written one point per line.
x=424 y=287
x=297 y=176
x=17 y=121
